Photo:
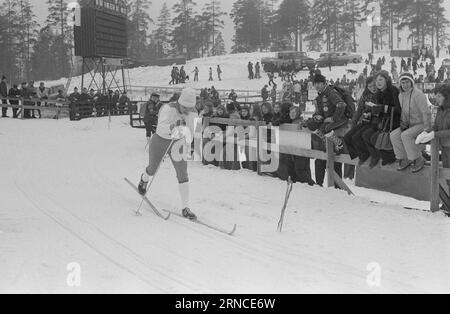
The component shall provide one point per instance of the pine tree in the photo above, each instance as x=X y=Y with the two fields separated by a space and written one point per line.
x=252 y=25
x=213 y=18
x=293 y=17
x=416 y=17
x=219 y=46
x=163 y=31
x=324 y=22
x=42 y=59
x=62 y=44
x=9 y=40
x=27 y=28
x=183 y=35
x=139 y=23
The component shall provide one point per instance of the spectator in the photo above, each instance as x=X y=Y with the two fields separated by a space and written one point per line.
x=245 y=113
x=441 y=128
x=124 y=102
x=273 y=94
x=267 y=115
x=415 y=119
x=14 y=92
x=233 y=96
x=196 y=74
x=210 y=75
x=328 y=120
x=4 y=94
x=151 y=114
x=256 y=114
x=207 y=111
x=25 y=94
x=271 y=76
x=361 y=122
x=265 y=93
x=297 y=92
x=386 y=101
x=219 y=72
x=42 y=94
x=250 y=70
x=257 y=71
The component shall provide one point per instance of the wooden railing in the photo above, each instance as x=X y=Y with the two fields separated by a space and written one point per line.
x=45 y=104
x=433 y=174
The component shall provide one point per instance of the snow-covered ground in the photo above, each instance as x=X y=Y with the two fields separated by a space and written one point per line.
x=63 y=200
x=234 y=75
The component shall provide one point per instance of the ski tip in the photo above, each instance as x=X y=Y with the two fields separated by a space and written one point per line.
x=168 y=217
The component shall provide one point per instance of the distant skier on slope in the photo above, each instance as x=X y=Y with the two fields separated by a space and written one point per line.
x=175 y=121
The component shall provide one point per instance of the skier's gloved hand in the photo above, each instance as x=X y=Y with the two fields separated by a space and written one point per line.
x=181 y=132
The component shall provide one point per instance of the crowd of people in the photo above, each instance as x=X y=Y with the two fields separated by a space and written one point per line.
x=97 y=102
x=32 y=96
x=180 y=76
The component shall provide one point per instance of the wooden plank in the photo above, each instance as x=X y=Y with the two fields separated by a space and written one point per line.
x=340 y=183
x=330 y=163
x=434 y=196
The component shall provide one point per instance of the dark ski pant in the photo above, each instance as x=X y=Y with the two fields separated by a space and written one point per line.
x=321 y=166
x=296 y=167
x=355 y=143
x=158 y=146
x=4 y=109
x=370 y=138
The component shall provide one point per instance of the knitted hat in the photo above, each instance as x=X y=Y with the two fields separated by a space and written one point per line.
x=407 y=76
x=188 y=98
x=319 y=78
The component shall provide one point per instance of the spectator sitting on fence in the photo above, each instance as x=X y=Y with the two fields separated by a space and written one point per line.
x=415 y=119
x=441 y=128
x=232 y=96
x=207 y=110
x=256 y=114
x=361 y=122
x=387 y=101
x=267 y=115
x=330 y=121
x=265 y=93
x=245 y=113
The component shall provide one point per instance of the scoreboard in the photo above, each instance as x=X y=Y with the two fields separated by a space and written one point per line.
x=102 y=29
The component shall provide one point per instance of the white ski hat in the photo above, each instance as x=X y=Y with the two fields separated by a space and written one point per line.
x=188 y=98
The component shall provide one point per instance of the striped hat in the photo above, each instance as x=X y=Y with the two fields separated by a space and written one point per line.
x=407 y=76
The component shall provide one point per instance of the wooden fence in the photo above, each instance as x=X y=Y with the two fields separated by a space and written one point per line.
x=434 y=174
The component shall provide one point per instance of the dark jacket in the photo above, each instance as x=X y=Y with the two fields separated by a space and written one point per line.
x=3 y=89
x=334 y=108
x=442 y=126
x=367 y=96
x=387 y=101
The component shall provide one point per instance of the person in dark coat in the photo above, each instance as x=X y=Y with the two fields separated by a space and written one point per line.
x=361 y=122
x=151 y=114
x=4 y=94
x=14 y=92
x=386 y=101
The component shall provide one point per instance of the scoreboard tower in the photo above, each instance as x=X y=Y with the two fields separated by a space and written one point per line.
x=100 y=37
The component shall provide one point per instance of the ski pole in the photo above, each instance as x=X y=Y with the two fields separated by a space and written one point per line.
x=286 y=200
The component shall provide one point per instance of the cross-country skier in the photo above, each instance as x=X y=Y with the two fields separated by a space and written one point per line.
x=175 y=121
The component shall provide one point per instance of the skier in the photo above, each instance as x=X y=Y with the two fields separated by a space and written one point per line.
x=169 y=132
x=257 y=71
x=4 y=94
x=250 y=71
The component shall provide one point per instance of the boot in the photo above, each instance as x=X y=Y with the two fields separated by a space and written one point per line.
x=404 y=164
x=187 y=213
x=142 y=187
x=418 y=165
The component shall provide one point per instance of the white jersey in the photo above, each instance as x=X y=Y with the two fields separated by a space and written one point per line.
x=169 y=117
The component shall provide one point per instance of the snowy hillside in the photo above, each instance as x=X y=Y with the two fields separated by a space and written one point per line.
x=234 y=67
x=63 y=200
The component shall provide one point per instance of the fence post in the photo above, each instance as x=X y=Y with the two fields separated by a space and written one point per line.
x=330 y=163
x=22 y=112
x=258 y=147
x=434 y=197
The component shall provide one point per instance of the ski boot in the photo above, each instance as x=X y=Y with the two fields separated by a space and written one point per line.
x=187 y=213
x=142 y=187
